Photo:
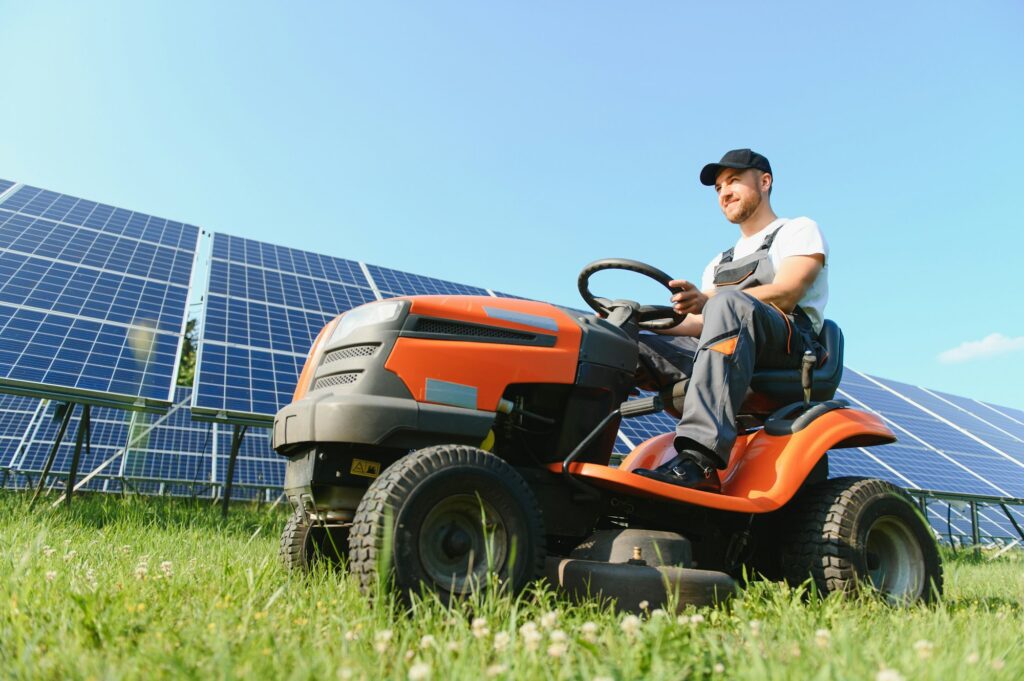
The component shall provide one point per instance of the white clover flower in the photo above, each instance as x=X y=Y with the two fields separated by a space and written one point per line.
x=428 y=641
x=630 y=625
x=453 y=646
x=755 y=627
x=644 y=605
x=345 y=673
x=531 y=636
x=557 y=649
x=479 y=627
x=696 y=619
x=658 y=613
x=167 y=568
x=589 y=630
x=70 y=555
x=381 y=640
x=558 y=636
x=51 y=575
x=973 y=658
x=409 y=654
x=419 y=671
x=49 y=551
x=351 y=635
x=141 y=571
x=822 y=638
x=496 y=670
x=501 y=640
x=998 y=664
x=549 y=619
x=923 y=648
x=886 y=674
x=719 y=668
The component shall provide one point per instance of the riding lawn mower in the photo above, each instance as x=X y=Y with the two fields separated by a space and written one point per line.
x=436 y=440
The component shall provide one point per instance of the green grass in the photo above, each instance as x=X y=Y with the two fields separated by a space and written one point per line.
x=151 y=588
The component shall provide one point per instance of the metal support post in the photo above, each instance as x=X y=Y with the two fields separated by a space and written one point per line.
x=975 y=527
x=65 y=420
x=236 y=444
x=84 y=434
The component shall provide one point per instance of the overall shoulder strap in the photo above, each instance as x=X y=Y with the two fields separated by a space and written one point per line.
x=767 y=243
x=726 y=256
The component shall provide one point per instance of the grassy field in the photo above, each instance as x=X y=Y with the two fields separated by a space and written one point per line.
x=152 y=588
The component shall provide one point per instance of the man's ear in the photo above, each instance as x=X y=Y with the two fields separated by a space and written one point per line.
x=766 y=182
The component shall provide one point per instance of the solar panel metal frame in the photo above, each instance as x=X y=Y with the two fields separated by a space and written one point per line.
x=92 y=397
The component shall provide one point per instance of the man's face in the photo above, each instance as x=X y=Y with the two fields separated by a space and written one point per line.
x=740 y=193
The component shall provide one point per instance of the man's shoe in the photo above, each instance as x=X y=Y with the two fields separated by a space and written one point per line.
x=685 y=472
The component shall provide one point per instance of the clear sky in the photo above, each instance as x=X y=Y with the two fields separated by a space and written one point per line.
x=507 y=144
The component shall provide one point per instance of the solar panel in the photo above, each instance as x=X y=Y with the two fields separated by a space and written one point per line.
x=16 y=417
x=92 y=299
x=5 y=185
x=257 y=464
x=264 y=306
x=395 y=283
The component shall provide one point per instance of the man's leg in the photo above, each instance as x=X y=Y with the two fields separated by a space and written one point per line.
x=739 y=333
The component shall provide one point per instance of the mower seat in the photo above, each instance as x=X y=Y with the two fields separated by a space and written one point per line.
x=774 y=388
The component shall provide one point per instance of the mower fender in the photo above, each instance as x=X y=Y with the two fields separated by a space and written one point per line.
x=764 y=471
x=375 y=420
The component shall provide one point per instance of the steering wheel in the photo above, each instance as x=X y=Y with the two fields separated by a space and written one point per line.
x=651 y=317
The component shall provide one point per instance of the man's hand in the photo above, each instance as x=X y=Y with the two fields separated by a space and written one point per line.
x=690 y=298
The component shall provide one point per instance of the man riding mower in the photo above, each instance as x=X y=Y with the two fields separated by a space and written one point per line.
x=442 y=438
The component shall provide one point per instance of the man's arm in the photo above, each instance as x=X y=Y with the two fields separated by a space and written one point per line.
x=796 y=274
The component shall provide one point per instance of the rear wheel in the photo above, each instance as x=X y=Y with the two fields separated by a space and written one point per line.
x=304 y=544
x=850 y=532
x=442 y=519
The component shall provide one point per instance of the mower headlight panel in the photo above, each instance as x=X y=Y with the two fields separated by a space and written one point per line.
x=366 y=315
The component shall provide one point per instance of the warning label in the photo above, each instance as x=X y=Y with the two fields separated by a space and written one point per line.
x=364 y=468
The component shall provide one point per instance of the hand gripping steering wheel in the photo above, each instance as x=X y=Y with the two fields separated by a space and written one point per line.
x=651 y=317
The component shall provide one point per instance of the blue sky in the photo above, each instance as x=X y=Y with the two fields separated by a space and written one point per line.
x=508 y=144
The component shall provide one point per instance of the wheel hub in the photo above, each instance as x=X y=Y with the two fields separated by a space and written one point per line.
x=894 y=560
x=462 y=539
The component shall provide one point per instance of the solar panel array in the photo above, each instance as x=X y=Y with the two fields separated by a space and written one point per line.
x=92 y=297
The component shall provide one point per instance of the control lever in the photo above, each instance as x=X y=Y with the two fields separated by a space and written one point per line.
x=807 y=375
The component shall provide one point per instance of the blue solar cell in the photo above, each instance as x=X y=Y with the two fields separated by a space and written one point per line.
x=396 y=283
x=16 y=417
x=92 y=298
x=257 y=464
x=5 y=185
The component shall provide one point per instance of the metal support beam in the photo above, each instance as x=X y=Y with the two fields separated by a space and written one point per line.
x=975 y=527
x=84 y=434
x=236 y=444
x=65 y=420
x=1013 y=520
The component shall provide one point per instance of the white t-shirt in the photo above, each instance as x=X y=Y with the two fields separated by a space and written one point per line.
x=799 y=236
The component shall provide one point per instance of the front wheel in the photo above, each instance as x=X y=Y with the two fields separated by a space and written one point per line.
x=442 y=519
x=849 y=532
x=305 y=543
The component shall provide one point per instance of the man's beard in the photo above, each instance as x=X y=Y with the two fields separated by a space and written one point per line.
x=746 y=210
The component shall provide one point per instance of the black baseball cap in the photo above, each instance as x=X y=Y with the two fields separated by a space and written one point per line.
x=739 y=159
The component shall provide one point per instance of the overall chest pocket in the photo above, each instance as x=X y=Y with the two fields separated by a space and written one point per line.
x=735 y=274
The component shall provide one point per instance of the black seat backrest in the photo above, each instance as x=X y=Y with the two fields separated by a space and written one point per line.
x=782 y=386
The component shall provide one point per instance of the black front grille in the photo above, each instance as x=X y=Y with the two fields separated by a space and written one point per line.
x=350 y=352
x=450 y=328
x=334 y=380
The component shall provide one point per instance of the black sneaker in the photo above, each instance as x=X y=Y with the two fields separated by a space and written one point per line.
x=685 y=472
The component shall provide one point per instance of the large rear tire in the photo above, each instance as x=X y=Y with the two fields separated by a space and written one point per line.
x=853 y=532
x=303 y=544
x=442 y=519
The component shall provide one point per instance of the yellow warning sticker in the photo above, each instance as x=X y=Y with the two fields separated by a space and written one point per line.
x=364 y=468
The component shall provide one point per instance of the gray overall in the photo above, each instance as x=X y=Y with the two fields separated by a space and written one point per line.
x=740 y=333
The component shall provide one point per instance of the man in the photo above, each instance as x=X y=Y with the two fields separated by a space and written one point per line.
x=760 y=303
